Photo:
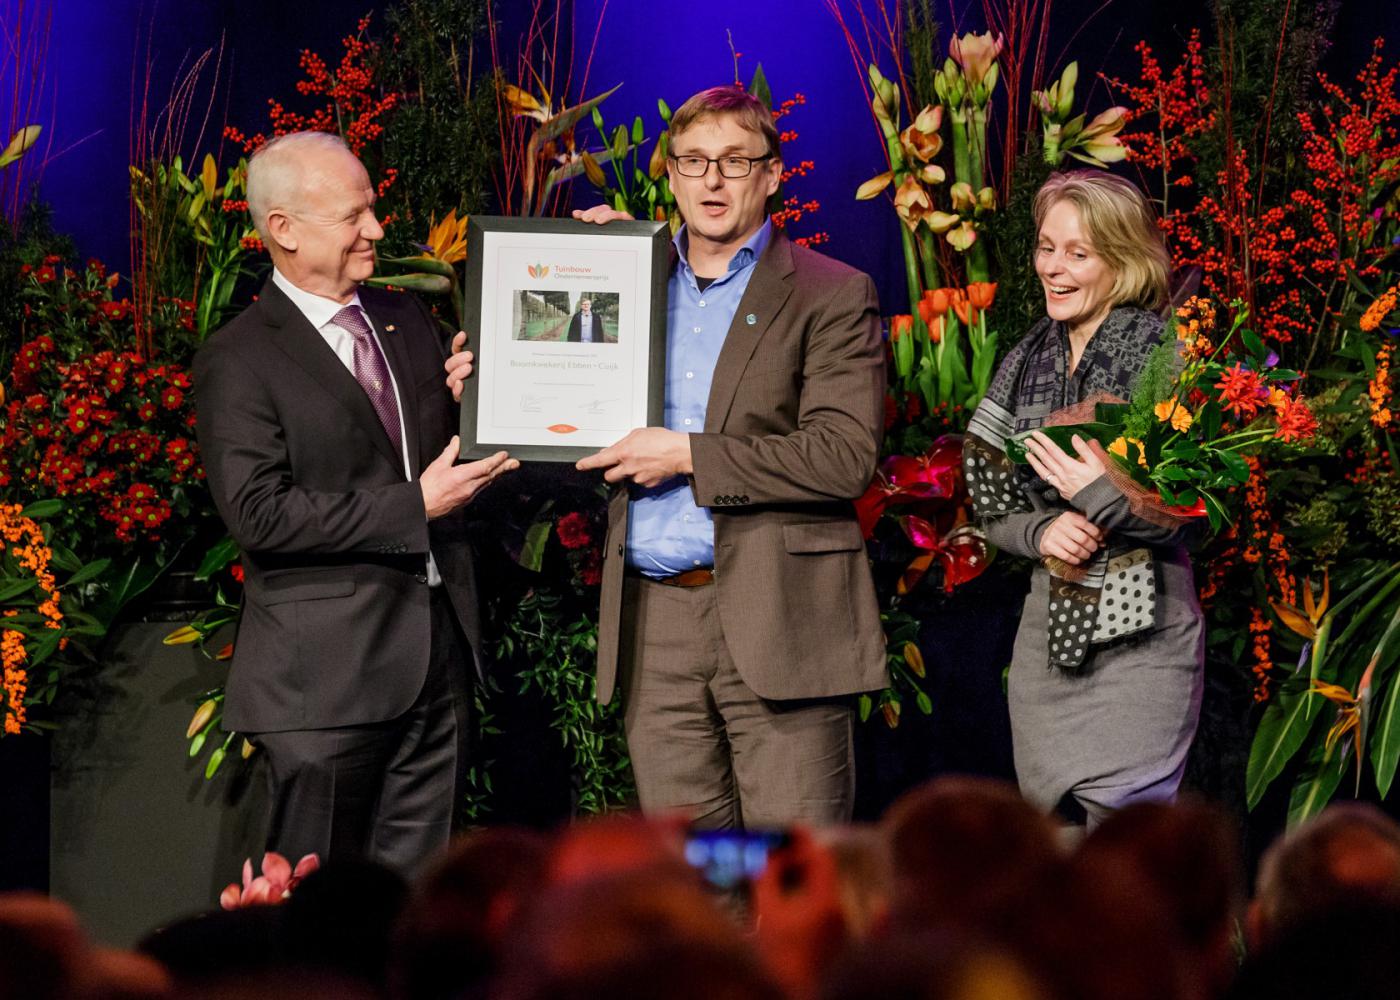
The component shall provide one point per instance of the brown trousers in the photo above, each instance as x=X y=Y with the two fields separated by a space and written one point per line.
x=703 y=743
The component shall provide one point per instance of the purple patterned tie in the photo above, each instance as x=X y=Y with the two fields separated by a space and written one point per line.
x=371 y=371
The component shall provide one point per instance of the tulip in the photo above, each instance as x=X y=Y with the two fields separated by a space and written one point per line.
x=965 y=313
x=901 y=326
x=982 y=293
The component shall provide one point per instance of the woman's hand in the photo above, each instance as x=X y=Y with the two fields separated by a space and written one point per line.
x=1072 y=538
x=1068 y=475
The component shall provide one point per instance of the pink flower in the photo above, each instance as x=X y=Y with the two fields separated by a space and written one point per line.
x=275 y=884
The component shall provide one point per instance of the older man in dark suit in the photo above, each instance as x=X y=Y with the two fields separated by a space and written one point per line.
x=328 y=443
x=738 y=612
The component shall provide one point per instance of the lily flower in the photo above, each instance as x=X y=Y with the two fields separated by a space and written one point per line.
x=275 y=884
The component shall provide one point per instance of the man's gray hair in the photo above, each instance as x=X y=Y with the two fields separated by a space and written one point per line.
x=275 y=174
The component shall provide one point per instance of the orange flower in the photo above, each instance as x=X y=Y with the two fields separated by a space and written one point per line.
x=982 y=293
x=1119 y=447
x=1241 y=392
x=1295 y=421
x=1170 y=411
x=967 y=315
x=1380 y=309
x=901 y=326
x=31 y=553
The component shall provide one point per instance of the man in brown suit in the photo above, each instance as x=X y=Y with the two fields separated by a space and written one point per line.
x=738 y=613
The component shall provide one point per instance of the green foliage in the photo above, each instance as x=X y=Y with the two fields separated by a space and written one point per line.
x=27 y=243
x=557 y=652
x=442 y=137
x=921 y=42
x=1012 y=236
x=1268 y=81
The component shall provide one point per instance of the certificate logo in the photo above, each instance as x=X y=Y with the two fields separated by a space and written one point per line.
x=538 y=270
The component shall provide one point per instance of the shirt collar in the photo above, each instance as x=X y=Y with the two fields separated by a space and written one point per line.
x=317 y=309
x=748 y=253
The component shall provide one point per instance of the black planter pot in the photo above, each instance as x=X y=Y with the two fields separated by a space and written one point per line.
x=24 y=828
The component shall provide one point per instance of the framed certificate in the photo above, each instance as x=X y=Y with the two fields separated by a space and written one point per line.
x=567 y=320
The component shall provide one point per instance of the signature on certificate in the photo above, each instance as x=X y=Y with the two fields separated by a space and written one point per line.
x=530 y=403
x=598 y=406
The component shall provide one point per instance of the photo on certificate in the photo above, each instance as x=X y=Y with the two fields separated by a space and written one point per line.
x=567 y=321
x=573 y=317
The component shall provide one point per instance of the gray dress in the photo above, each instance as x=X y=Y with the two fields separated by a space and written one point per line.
x=1104 y=695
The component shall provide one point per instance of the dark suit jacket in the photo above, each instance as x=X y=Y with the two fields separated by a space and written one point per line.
x=792 y=434
x=335 y=626
x=576 y=328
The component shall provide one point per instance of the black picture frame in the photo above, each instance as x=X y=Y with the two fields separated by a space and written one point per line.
x=653 y=236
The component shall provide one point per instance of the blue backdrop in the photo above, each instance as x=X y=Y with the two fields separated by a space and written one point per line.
x=655 y=51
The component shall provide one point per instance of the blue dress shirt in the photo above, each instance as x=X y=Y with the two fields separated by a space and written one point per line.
x=667 y=533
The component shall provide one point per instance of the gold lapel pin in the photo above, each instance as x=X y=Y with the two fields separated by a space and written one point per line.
x=388 y=327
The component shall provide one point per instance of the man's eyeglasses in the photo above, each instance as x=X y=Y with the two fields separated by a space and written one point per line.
x=732 y=167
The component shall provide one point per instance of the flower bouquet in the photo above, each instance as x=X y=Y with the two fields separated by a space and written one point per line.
x=1180 y=443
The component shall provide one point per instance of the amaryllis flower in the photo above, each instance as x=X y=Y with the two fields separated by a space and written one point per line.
x=275 y=884
x=912 y=203
x=962 y=237
x=921 y=140
x=975 y=54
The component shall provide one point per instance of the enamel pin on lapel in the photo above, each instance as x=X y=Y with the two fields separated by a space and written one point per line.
x=750 y=319
x=389 y=328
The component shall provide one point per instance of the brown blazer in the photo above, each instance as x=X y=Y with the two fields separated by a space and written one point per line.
x=792 y=433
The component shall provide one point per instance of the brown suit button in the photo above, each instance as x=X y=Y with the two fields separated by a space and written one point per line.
x=744 y=498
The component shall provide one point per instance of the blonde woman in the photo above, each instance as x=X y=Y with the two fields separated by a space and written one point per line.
x=1106 y=675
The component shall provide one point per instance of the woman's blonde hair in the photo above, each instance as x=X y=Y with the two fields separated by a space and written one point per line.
x=1122 y=228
